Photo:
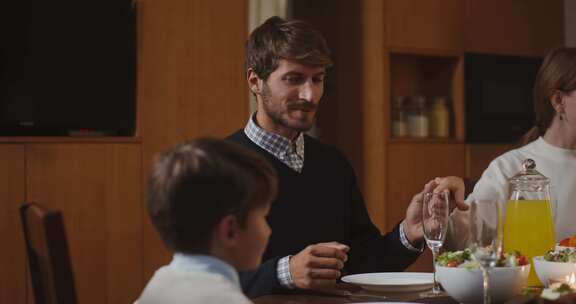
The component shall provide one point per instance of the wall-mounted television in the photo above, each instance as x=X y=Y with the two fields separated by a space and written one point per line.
x=67 y=67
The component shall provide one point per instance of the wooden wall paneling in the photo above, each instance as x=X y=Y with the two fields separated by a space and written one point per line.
x=458 y=104
x=516 y=27
x=13 y=254
x=409 y=167
x=374 y=112
x=404 y=75
x=97 y=188
x=479 y=156
x=435 y=24
x=191 y=81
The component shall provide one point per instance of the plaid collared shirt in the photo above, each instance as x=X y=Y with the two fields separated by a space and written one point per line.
x=288 y=152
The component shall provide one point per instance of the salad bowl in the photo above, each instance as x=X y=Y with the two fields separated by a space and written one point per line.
x=555 y=266
x=462 y=278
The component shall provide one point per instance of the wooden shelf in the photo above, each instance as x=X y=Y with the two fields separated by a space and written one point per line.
x=68 y=139
x=425 y=52
x=409 y=140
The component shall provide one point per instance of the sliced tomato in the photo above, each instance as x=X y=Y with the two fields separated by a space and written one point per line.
x=572 y=241
x=522 y=260
x=452 y=264
x=569 y=242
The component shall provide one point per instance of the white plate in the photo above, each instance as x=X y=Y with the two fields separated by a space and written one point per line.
x=392 y=281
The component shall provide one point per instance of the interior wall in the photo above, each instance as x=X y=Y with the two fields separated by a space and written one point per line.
x=570 y=22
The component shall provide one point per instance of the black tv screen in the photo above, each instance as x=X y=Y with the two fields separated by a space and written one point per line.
x=67 y=67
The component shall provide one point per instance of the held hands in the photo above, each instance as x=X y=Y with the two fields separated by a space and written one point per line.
x=413 y=222
x=318 y=266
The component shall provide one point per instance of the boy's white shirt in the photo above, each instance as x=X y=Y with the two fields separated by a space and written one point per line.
x=194 y=279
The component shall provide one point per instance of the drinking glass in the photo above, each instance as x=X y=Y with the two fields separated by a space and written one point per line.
x=435 y=211
x=486 y=234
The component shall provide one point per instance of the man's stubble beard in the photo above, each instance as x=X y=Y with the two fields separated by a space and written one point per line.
x=275 y=111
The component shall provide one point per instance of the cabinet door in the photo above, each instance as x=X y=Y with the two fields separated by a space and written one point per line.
x=12 y=255
x=430 y=24
x=97 y=188
x=410 y=166
x=516 y=27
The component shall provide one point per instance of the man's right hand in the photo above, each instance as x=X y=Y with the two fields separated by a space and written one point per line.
x=318 y=266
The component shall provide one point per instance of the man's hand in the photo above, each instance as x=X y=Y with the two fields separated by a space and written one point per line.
x=318 y=266
x=413 y=222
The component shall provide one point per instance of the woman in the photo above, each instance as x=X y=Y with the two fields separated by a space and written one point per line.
x=551 y=143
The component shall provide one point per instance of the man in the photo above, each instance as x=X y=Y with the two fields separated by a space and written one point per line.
x=320 y=226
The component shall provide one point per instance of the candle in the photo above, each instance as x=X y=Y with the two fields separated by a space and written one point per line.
x=571 y=280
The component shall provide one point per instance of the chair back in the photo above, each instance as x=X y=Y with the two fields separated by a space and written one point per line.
x=48 y=255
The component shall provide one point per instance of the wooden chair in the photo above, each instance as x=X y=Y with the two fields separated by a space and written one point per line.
x=48 y=257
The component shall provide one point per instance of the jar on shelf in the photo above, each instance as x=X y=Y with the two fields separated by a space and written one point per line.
x=439 y=118
x=418 y=117
x=399 y=119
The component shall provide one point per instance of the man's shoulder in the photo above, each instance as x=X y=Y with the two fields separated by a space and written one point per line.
x=237 y=136
x=323 y=148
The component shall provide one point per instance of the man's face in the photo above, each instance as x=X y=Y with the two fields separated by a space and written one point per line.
x=289 y=98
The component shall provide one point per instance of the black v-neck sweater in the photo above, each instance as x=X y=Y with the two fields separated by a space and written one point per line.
x=321 y=204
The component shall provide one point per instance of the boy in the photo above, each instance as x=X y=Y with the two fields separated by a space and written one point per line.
x=208 y=199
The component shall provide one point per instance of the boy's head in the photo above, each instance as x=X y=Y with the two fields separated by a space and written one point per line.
x=211 y=196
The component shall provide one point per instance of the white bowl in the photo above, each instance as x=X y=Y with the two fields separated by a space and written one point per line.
x=556 y=271
x=465 y=285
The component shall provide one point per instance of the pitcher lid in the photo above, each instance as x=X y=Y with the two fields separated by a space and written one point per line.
x=529 y=174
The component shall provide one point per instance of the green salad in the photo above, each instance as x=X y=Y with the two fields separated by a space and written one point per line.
x=564 y=256
x=464 y=259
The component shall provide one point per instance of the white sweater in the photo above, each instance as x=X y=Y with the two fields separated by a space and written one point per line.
x=558 y=164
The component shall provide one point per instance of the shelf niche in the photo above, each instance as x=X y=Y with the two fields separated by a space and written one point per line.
x=428 y=75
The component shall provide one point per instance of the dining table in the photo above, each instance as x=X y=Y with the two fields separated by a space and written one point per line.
x=315 y=298
x=363 y=296
x=347 y=296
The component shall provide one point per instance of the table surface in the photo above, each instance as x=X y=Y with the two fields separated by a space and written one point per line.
x=353 y=297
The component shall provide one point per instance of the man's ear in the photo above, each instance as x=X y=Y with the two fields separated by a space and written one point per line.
x=254 y=82
x=226 y=231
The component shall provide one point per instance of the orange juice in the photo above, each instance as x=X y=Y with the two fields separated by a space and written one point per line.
x=529 y=228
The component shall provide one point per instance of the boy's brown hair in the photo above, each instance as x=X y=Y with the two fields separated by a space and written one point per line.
x=279 y=39
x=199 y=182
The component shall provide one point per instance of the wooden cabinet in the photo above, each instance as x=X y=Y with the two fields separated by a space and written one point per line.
x=97 y=188
x=431 y=24
x=409 y=167
x=12 y=194
x=515 y=27
x=479 y=156
x=191 y=82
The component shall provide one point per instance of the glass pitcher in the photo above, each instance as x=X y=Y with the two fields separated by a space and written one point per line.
x=529 y=227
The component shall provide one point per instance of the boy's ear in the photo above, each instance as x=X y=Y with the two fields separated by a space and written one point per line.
x=254 y=82
x=226 y=231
